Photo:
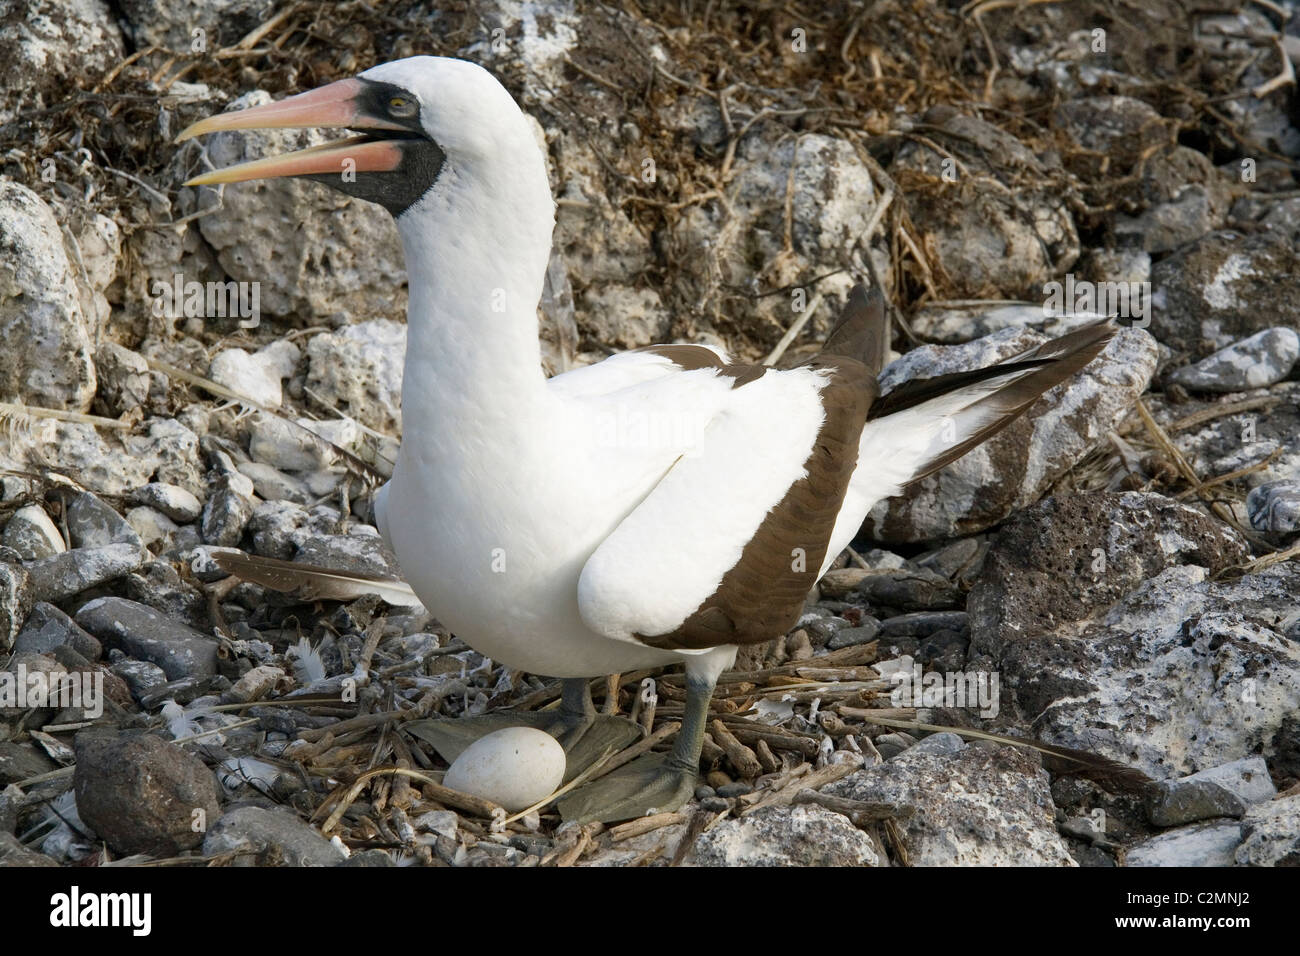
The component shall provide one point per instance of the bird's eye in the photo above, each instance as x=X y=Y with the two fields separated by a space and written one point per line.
x=401 y=106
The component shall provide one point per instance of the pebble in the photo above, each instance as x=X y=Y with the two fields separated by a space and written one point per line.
x=18 y=761
x=1263 y=359
x=140 y=793
x=737 y=789
x=141 y=632
x=271 y=484
x=93 y=524
x=32 y=534
x=253 y=685
x=172 y=500
x=863 y=633
x=257 y=375
x=140 y=676
x=47 y=628
x=269 y=836
x=63 y=575
x=1175 y=802
x=891 y=745
x=909 y=589
x=152 y=527
x=1275 y=506
x=225 y=514
x=16 y=597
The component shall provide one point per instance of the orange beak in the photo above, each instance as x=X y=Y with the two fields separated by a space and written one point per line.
x=337 y=105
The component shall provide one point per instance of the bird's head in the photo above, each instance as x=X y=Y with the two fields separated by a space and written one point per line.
x=414 y=118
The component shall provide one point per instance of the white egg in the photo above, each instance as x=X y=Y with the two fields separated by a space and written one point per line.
x=515 y=767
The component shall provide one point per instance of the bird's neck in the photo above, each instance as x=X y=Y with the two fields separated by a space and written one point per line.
x=476 y=249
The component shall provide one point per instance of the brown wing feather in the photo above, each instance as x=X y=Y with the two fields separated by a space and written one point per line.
x=762 y=596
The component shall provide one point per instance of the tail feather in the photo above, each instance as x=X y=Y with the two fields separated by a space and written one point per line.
x=925 y=424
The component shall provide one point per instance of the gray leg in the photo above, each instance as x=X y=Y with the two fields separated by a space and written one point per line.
x=655 y=782
x=685 y=756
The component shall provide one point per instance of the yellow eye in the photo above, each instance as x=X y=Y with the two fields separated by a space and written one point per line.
x=401 y=106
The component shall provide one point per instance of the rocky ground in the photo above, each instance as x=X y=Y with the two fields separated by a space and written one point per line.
x=1122 y=560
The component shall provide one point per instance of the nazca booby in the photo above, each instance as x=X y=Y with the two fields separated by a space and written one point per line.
x=662 y=506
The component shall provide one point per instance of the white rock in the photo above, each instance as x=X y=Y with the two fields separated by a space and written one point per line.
x=785 y=836
x=1272 y=834
x=1202 y=844
x=1247 y=779
x=152 y=526
x=258 y=375
x=278 y=443
x=32 y=534
x=358 y=370
x=43 y=46
x=515 y=767
x=173 y=501
x=48 y=338
x=342 y=256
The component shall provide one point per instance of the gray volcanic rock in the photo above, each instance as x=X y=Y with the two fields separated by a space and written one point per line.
x=358 y=370
x=344 y=256
x=170 y=24
x=93 y=524
x=1175 y=802
x=142 y=794
x=1016 y=466
x=68 y=39
x=1272 y=834
x=144 y=633
x=20 y=761
x=16 y=597
x=1204 y=844
x=125 y=382
x=1264 y=358
x=1188 y=197
x=32 y=534
x=48 y=339
x=80 y=569
x=1268 y=437
x=1182 y=675
x=47 y=628
x=785 y=836
x=1225 y=287
x=1067 y=558
x=992 y=242
x=974 y=806
x=269 y=837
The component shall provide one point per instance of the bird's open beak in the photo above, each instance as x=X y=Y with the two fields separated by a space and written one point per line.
x=338 y=105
